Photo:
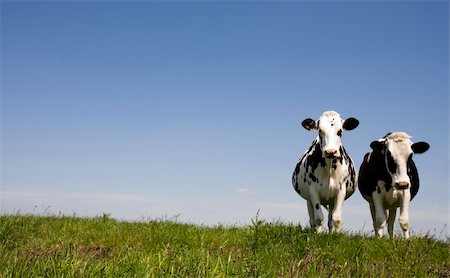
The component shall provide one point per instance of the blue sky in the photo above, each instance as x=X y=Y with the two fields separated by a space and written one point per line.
x=193 y=109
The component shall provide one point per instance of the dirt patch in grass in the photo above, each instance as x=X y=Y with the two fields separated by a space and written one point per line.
x=96 y=252
x=39 y=253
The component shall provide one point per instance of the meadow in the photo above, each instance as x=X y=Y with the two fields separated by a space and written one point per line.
x=62 y=246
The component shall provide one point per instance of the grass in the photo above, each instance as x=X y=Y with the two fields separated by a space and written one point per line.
x=37 y=246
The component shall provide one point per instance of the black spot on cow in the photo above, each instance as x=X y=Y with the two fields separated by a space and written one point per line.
x=339 y=133
x=352 y=173
x=371 y=170
x=344 y=155
x=311 y=148
x=297 y=168
x=312 y=177
x=317 y=206
x=388 y=185
x=297 y=188
x=408 y=164
x=392 y=166
x=314 y=159
x=334 y=164
x=413 y=177
x=301 y=160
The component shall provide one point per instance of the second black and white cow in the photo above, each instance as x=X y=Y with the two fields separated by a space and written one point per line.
x=388 y=179
x=325 y=175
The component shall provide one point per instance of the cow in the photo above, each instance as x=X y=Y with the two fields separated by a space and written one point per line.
x=388 y=179
x=325 y=175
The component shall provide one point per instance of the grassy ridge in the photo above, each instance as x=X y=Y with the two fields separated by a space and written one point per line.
x=32 y=246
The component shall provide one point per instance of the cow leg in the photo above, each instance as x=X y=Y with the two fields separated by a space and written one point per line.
x=380 y=214
x=311 y=214
x=318 y=215
x=380 y=220
x=330 y=217
x=336 y=213
x=372 y=213
x=391 y=220
x=404 y=213
x=377 y=230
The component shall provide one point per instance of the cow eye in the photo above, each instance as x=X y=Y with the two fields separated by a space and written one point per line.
x=339 y=133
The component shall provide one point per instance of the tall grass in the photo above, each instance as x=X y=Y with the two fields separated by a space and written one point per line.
x=32 y=246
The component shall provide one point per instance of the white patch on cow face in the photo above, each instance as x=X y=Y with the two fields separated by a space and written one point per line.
x=330 y=126
x=397 y=153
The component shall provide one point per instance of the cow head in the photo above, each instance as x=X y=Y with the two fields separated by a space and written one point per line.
x=330 y=126
x=398 y=150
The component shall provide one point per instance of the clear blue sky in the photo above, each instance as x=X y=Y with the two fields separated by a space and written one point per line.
x=154 y=109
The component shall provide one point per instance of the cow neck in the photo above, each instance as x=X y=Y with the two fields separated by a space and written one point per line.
x=331 y=165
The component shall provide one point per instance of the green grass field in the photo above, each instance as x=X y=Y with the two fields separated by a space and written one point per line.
x=36 y=246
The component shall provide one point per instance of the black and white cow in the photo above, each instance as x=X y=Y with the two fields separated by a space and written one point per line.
x=325 y=175
x=388 y=179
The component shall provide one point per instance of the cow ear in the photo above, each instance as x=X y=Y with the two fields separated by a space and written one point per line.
x=350 y=123
x=420 y=147
x=377 y=145
x=309 y=124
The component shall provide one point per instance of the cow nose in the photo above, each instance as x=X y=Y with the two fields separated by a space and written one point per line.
x=402 y=184
x=331 y=153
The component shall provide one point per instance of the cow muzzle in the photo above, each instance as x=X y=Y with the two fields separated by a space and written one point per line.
x=331 y=153
x=402 y=185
